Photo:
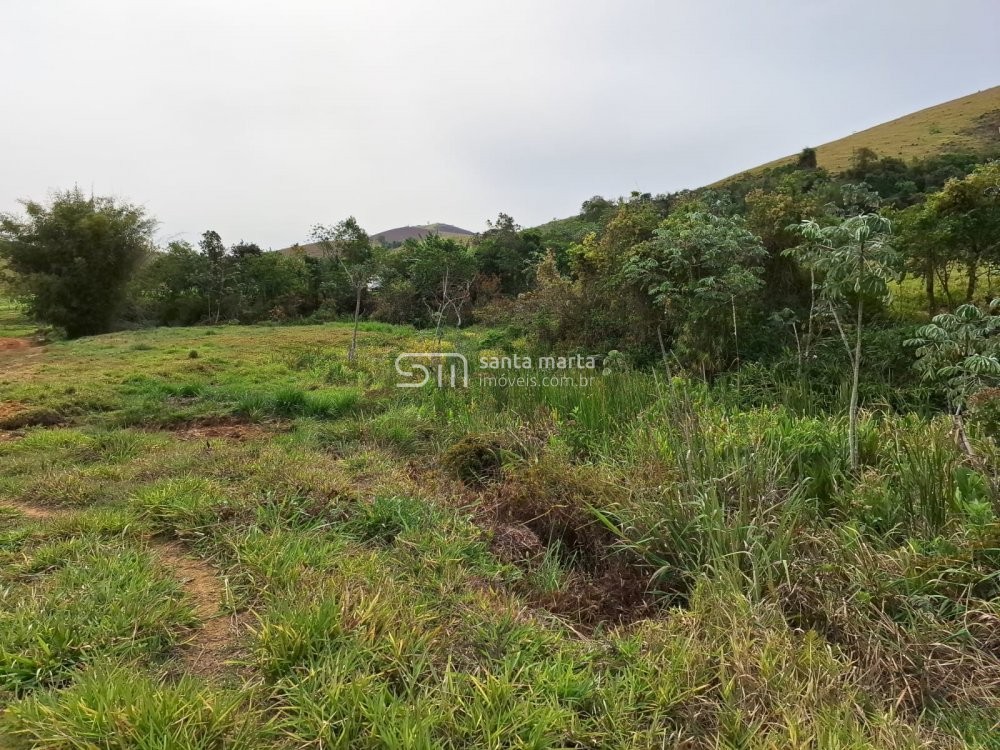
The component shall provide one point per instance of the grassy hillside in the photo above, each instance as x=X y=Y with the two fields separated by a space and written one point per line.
x=231 y=537
x=970 y=123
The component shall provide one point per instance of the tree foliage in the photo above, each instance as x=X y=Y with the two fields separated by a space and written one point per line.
x=703 y=272
x=75 y=256
x=853 y=261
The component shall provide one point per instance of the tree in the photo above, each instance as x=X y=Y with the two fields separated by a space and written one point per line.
x=271 y=285
x=352 y=248
x=215 y=252
x=921 y=239
x=596 y=209
x=440 y=272
x=506 y=251
x=74 y=257
x=968 y=213
x=959 y=352
x=244 y=249
x=807 y=159
x=853 y=261
x=172 y=288
x=695 y=269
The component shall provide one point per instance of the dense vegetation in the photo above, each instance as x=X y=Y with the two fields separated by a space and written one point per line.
x=771 y=520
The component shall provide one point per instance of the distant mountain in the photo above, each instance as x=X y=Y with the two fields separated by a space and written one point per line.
x=393 y=237
x=400 y=235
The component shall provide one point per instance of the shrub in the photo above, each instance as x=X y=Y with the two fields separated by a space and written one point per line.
x=477 y=459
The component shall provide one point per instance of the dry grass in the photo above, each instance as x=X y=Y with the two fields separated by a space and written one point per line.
x=969 y=123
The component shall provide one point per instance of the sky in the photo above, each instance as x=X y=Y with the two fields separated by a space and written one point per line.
x=261 y=119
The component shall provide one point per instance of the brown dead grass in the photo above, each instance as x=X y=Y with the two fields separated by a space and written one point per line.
x=546 y=507
x=238 y=432
x=964 y=124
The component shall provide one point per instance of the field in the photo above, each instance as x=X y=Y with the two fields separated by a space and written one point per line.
x=230 y=537
x=970 y=123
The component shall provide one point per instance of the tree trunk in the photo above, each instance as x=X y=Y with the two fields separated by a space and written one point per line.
x=970 y=289
x=945 y=286
x=852 y=429
x=353 y=351
x=437 y=328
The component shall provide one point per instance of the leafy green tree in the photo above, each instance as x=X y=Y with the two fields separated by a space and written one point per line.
x=695 y=269
x=173 y=287
x=807 y=159
x=596 y=209
x=968 y=214
x=439 y=273
x=959 y=351
x=243 y=249
x=271 y=285
x=218 y=272
x=925 y=250
x=853 y=261
x=74 y=257
x=350 y=246
x=507 y=251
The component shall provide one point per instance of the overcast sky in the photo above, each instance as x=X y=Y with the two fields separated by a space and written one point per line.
x=259 y=119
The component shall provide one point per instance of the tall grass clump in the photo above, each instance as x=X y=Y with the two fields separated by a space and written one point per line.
x=112 y=707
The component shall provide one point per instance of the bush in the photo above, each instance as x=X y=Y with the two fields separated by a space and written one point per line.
x=74 y=258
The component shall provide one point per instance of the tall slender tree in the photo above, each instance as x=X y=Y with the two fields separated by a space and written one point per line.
x=350 y=245
x=853 y=261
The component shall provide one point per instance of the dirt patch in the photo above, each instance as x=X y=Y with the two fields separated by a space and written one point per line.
x=222 y=429
x=212 y=644
x=239 y=432
x=9 y=345
x=522 y=516
x=546 y=510
x=206 y=652
x=512 y=544
x=16 y=416
x=34 y=512
x=621 y=595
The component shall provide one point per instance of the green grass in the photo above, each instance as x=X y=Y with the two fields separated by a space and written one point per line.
x=635 y=563
x=13 y=322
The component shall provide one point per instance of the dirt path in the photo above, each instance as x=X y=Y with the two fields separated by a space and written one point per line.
x=8 y=345
x=205 y=653
x=18 y=356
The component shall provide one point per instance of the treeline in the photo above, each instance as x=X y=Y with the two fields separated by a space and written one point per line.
x=87 y=264
x=714 y=277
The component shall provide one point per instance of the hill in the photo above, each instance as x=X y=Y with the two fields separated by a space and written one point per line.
x=396 y=236
x=970 y=123
x=402 y=234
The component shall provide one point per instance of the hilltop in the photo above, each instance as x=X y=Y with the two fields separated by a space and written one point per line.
x=392 y=237
x=970 y=123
